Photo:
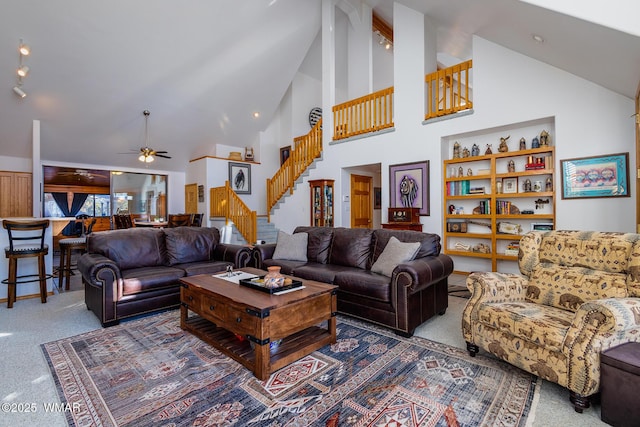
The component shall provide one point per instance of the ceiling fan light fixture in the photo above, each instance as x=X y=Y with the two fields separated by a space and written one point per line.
x=146 y=158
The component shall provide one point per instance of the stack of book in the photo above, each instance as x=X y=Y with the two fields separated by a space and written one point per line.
x=512 y=249
x=503 y=207
x=476 y=190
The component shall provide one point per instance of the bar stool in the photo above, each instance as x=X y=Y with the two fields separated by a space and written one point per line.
x=26 y=240
x=67 y=246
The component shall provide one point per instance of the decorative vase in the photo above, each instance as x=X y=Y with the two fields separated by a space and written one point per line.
x=273 y=279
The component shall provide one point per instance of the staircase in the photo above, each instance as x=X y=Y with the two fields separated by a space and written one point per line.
x=267 y=232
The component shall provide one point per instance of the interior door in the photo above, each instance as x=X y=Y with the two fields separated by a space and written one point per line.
x=637 y=159
x=191 y=198
x=361 y=201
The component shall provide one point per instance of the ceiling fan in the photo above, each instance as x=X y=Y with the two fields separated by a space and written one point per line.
x=146 y=154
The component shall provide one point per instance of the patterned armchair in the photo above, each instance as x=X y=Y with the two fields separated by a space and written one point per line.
x=578 y=295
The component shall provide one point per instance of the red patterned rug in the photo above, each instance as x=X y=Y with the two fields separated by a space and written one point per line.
x=148 y=372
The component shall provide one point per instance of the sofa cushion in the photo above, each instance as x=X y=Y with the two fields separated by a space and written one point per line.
x=190 y=244
x=143 y=279
x=396 y=252
x=324 y=273
x=291 y=247
x=429 y=242
x=318 y=244
x=130 y=248
x=351 y=247
x=203 y=267
x=542 y=325
x=568 y=287
x=364 y=282
x=286 y=266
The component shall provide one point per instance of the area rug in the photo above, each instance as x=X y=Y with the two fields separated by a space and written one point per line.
x=148 y=372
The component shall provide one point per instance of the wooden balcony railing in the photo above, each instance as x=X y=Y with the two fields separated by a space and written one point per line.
x=368 y=113
x=448 y=90
x=305 y=150
x=225 y=203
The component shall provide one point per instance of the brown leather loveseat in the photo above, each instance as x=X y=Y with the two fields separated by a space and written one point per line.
x=413 y=292
x=137 y=270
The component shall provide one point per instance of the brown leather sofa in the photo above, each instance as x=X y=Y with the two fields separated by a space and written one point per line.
x=415 y=292
x=137 y=270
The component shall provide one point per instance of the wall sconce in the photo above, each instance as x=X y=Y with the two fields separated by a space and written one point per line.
x=23 y=70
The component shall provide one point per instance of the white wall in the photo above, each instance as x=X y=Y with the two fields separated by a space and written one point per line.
x=508 y=88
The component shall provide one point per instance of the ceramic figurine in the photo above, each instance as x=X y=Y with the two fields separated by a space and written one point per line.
x=527 y=186
x=469 y=172
x=523 y=144
x=511 y=166
x=456 y=150
x=544 y=138
x=503 y=147
x=460 y=172
x=535 y=143
x=548 y=185
x=488 y=150
x=475 y=150
x=465 y=152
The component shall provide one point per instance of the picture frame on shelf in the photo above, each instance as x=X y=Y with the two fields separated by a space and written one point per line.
x=597 y=176
x=541 y=226
x=409 y=186
x=240 y=177
x=509 y=185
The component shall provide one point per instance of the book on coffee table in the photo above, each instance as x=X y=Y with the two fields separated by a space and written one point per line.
x=235 y=276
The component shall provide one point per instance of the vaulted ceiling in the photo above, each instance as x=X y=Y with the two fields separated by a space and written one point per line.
x=203 y=67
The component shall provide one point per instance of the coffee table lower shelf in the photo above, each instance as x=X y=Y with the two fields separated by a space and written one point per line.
x=292 y=347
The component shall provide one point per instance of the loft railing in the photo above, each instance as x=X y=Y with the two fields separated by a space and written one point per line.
x=305 y=150
x=448 y=90
x=368 y=113
x=225 y=203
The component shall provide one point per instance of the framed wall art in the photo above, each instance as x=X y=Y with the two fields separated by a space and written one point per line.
x=285 y=152
x=377 y=198
x=510 y=185
x=409 y=186
x=240 y=177
x=598 y=176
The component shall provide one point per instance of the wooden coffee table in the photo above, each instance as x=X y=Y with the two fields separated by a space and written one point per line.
x=230 y=316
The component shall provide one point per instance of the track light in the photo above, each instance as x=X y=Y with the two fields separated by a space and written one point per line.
x=19 y=92
x=23 y=71
x=24 y=49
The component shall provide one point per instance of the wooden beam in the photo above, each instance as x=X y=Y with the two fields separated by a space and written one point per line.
x=378 y=24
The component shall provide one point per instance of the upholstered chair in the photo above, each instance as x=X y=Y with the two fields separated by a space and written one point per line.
x=577 y=296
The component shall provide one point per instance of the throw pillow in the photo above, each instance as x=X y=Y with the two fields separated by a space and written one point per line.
x=291 y=247
x=396 y=252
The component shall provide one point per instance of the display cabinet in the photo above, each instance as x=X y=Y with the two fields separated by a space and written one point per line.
x=490 y=200
x=321 y=191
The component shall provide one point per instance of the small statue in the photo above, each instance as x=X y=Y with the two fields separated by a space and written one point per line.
x=465 y=152
x=460 y=172
x=456 y=150
x=511 y=167
x=548 y=186
x=527 y=186
x=488 y=150
x=475 y=150
x=499 y=187
x=523 y=144
x=535 y=143
x=544 y=138
x=503 y=148
x=469 y=172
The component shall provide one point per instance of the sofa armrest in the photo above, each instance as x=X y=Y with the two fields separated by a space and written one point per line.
x=239 y=255
x=422 y=272
x=597 y=326
x=104 y=276
x=260 y=253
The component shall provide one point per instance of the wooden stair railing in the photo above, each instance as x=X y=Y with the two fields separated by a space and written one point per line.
x=305 y=150
x=448 y=90
x=227 y=204
x=369 y=113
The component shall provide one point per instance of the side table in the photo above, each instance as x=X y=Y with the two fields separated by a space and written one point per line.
x=619 y=385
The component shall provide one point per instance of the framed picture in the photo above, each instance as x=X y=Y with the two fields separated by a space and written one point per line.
x=599 y=176
x=409 y=186
x=510 y=185
x=200 y=193
x=240 y=177
x=285 y=152
x=541 y=226
x=377 y=198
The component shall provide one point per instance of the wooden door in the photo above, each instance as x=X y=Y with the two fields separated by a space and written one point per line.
x=15 y=194
x=191 y=198
x=637 y=159
x=361 y=201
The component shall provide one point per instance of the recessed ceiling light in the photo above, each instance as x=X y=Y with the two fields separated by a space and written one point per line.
x=256 y=114
x=538 y=38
